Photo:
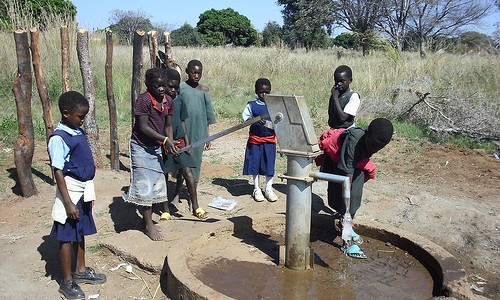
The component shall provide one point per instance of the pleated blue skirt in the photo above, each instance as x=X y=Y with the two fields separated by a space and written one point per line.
x=75 y=230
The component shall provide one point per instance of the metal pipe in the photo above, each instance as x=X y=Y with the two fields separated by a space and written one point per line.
x=344 y=180
x=298 y=255
x=346 y=196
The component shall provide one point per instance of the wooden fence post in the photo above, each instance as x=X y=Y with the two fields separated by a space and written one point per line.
x=168 y=45
x=169 y=61
x=153 y=46
x=24 y=146
x=114 y=142
x=41 y=84
x=91 y=129
x=136 y=68
x=64 y=58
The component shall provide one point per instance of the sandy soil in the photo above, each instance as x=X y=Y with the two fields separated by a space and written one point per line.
x=446 y=194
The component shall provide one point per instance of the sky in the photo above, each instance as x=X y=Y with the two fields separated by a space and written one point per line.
x=95 y=14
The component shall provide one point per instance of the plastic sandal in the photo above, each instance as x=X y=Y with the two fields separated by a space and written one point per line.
x=353 y=251
x=200 y=213
x=165 y=216
x=356 y=238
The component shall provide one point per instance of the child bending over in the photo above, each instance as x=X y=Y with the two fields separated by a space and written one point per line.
x=349 y=152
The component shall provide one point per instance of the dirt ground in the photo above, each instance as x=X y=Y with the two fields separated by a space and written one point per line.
x=441 y=192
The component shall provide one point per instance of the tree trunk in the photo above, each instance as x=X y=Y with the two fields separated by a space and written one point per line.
x=399 y=43
x=136 y=69
x=41 y=84
x=24 y=146
x=153 y=46
x=114 y=151
x=65 y=58
x=422 y=46
x=91 y=129
x=366 y=48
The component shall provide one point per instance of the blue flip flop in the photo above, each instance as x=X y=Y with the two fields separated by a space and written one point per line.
x=353 y=251
x=356 y=238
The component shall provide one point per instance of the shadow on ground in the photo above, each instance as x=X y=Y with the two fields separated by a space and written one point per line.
x=49 y=253
x=243 y=229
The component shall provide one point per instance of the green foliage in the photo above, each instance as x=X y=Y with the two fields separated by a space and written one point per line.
x=474 y=41
x=272 y=35
x=8 y=130
x=34 y=13
x=226 y=26
x=409 y=130
x=346 y=40
x=466 y=142
x=305 y=22
x=187 y=36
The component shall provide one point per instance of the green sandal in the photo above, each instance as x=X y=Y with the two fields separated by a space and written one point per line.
x=353 y=251
x=356 y=238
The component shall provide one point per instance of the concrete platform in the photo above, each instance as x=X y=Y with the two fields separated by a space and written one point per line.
x=168 y=257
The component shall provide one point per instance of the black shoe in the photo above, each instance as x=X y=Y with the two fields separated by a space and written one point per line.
x=90 y=276
x=71 y=290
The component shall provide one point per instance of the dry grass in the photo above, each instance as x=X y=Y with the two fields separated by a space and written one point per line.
x=388 y=84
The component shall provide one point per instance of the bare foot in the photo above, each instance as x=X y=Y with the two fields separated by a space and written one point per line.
x=141 y=226
x=153 y=233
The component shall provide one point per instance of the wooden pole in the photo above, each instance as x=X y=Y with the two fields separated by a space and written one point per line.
x=153 y=46
x=91 y=129
x=65 y=58
x=136 y=68
x=169 y=61
x=114 y=151
x=41 y=83
x=24 y=146
x=168 y=45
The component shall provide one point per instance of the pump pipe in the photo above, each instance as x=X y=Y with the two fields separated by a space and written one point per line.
x=346 y=196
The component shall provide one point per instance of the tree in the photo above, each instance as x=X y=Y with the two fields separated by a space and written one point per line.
x=226 y=26
x=433 y=19
x=272 y=35
x=187 y=36
x=34 y=13
x=126 y=22
x=394 y=20
x=305 y=22
x=474 y=41
x=161 y=28
x=346 y=40
x=361 y=17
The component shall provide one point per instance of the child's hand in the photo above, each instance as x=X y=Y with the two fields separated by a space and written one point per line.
x=208 y=145
x=72 y=211
x=171 y=148
x=335 y=91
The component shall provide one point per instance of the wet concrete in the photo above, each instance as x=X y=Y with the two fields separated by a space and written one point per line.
x=247 y=268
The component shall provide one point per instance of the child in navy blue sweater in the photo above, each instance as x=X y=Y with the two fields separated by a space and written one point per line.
x=73 y=166
x=260 y=152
